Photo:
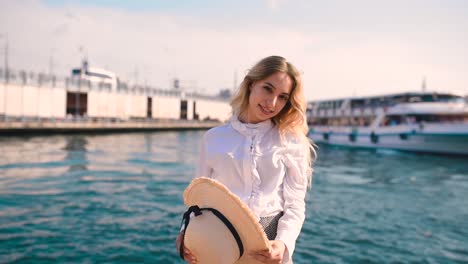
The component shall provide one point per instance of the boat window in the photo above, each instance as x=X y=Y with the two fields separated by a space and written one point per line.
x=326 y=136
x=447 y=118
x=357 y=103
x=393 y=120
x=76 y=71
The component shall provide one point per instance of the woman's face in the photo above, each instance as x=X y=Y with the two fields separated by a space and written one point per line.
x=268 y=97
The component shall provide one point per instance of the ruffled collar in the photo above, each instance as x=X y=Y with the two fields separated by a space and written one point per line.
x=247 y=129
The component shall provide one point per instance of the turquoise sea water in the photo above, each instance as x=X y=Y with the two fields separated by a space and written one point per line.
x=118 y=199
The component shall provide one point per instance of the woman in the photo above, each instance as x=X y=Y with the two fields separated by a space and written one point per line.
x=263 y=154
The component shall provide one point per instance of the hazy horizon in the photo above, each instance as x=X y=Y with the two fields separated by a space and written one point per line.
x=343 y=48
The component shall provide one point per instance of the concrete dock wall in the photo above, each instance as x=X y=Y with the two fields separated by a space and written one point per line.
x=23 y=100
x=31 y=101
x=213 y=110
x=166 y=107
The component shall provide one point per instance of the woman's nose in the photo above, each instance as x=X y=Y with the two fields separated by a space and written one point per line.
x=272 y=101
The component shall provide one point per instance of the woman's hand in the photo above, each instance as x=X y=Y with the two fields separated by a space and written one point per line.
x=274 y=255
x=188 y=256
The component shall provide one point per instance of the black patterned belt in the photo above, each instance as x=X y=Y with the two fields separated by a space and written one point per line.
x=270 y=225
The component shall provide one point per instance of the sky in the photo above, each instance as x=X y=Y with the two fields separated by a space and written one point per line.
x=342 y=47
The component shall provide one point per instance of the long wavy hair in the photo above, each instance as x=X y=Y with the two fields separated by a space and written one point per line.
x=292 y=118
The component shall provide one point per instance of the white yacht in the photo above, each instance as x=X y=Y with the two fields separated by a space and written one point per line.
x=414 y=121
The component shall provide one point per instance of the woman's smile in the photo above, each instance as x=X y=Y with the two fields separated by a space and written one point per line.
x=265 y=110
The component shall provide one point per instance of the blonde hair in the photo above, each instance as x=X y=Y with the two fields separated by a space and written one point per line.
x=291 y=120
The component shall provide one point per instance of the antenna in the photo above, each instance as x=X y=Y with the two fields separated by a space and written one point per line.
x=235 y=80
x=7 y=74
x=423 y=85
x=51 y=61
x=136 y=74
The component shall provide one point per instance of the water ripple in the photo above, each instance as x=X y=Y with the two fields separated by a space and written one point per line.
x=118 y=199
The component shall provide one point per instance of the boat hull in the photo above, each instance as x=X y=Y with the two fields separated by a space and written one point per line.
x=412 y=140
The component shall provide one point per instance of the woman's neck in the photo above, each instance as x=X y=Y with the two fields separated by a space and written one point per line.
x=245 y=118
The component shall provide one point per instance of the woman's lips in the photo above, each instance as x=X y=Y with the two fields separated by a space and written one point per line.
x=265 y=111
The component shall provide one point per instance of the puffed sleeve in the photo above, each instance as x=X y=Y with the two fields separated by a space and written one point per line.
x=202 y=167
x=294 y=191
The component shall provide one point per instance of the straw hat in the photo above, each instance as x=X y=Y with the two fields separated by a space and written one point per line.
x=209 y=238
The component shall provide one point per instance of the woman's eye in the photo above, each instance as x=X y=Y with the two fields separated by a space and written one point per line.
x=284 y=98
x=268 y=88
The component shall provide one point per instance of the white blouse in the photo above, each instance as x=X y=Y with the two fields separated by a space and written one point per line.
x=267 y=172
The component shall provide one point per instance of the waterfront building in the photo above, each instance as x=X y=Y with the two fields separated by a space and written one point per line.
x=95 y=94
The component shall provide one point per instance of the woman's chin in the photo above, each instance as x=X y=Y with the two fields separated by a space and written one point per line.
x=263 y=117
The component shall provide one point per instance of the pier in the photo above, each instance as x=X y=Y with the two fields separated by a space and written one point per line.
x=19 y=127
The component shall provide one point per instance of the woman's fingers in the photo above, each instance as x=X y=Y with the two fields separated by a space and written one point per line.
x=189 y=257
x=265 y=253
x=265 y=257
x=260 y=258
x=274 y=255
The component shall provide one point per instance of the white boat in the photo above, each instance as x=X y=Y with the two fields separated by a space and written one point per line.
x=416 y=121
